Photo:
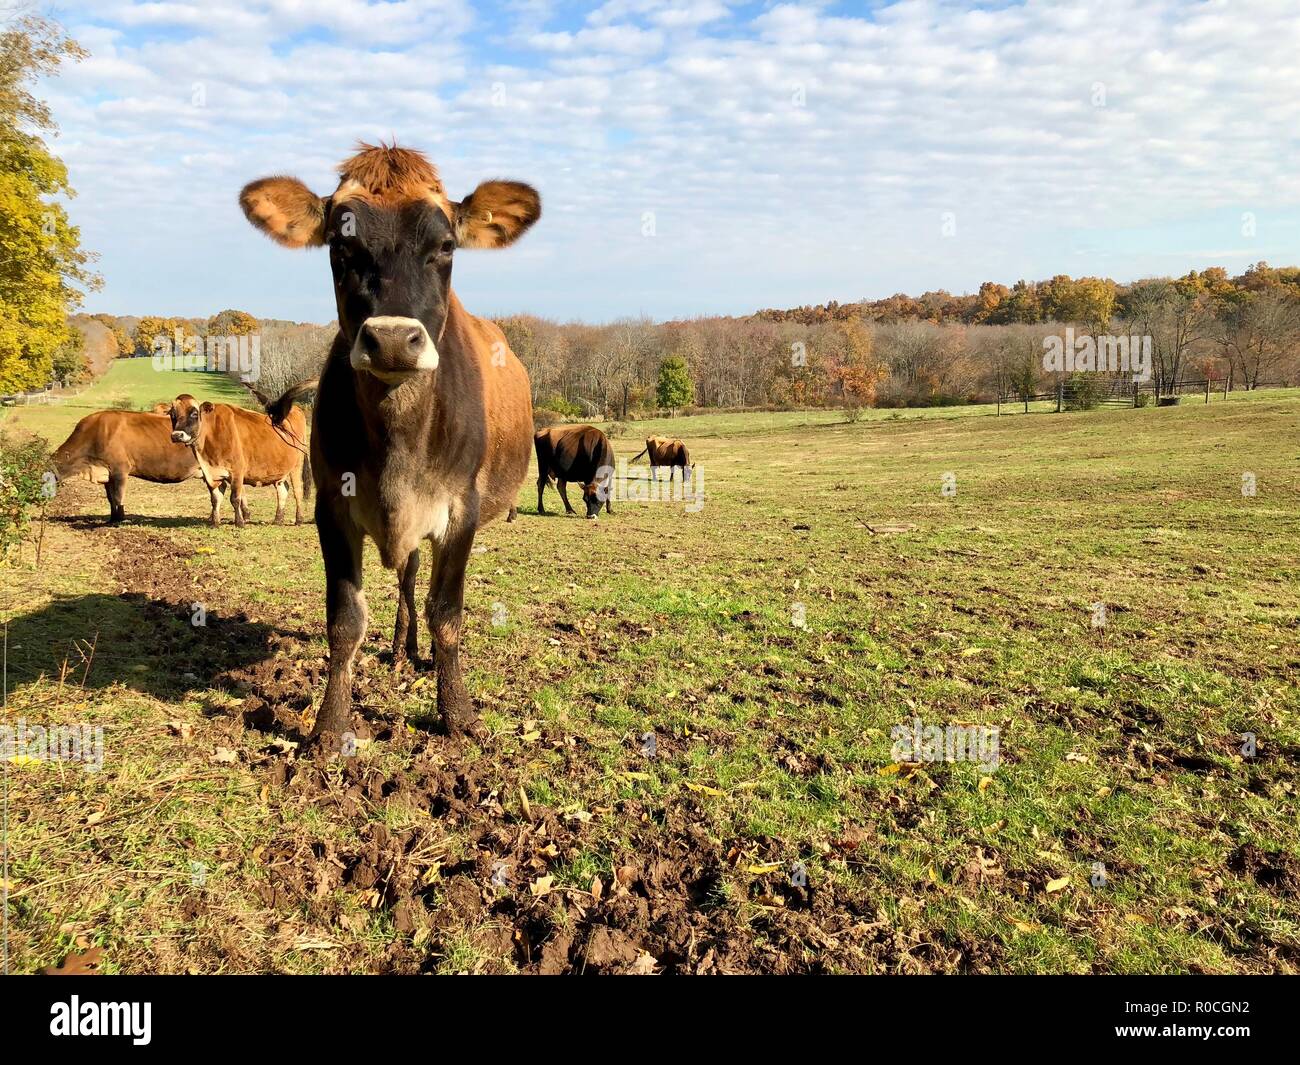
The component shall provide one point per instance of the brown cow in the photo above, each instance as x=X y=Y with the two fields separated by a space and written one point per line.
x=244 y=448
x=423 y=414
x=666 y=452
x=111 y=445
x=580 y=453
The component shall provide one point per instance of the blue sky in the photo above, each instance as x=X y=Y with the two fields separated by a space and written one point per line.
x=694 y=157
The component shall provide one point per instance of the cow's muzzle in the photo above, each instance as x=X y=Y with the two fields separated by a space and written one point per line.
x=181 y=437
x=393 y=348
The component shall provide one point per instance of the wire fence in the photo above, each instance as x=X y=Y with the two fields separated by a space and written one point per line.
x=1117 y=392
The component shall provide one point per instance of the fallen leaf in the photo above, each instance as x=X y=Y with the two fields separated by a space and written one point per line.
x=75 y=964
x=1059 y=884
x=643 y=966
x=541 y=886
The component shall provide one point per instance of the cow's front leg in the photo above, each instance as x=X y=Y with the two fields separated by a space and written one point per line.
x=406 y=632
x=216 y=493
x=115 y=488
x=444 y=611
x=563 y=486
x=345 y=613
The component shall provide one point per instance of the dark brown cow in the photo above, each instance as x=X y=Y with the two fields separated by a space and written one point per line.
x=111 y=445
x=579 y=453
x=423 y=414
x=242 y=447
x=670 y=453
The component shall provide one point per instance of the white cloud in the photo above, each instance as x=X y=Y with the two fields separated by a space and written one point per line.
x=772 y=151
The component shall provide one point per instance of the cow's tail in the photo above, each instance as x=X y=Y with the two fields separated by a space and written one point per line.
x=642 y=452
x=306 y=474
x=279 y=409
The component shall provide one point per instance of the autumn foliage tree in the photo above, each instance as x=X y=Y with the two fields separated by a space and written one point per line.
x=41 y=260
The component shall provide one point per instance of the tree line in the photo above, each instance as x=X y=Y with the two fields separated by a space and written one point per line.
x=927 y=350
x=936 y=349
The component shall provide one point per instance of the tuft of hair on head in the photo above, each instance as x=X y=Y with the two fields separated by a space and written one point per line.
x=389 y=172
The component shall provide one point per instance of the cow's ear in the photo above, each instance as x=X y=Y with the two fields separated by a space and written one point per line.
x=496 y=213
x=285 y=210
x=207 y=408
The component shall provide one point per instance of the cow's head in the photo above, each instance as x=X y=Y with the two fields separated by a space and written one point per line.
x=595 y=493
x=391 y=231
x=188 y=417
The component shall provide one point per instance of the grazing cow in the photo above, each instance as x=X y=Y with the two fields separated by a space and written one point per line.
x=670 y=453
x=580 y=453
x=242 y=447
x=423 y=413
x=112 y=445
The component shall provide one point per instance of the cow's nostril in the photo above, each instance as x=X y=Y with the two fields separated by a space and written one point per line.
x=414 y=338
x=369 y=341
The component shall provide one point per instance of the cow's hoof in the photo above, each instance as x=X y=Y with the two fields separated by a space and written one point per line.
x=330 y=743
x=468 y=728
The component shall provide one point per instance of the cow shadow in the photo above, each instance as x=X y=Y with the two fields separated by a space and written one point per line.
x=152 y=646
x=85 y=522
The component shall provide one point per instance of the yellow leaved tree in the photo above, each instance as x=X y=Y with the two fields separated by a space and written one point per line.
x=42 y=264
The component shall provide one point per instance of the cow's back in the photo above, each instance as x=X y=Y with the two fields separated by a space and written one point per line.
x=576 y=452
x=268 y=454
x=132 y=442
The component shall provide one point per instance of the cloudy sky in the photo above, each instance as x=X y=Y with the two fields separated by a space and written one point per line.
x=694 y=156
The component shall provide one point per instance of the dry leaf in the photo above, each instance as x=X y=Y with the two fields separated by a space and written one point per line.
x=541 y=886
x=87 y=964
x=1059 y=884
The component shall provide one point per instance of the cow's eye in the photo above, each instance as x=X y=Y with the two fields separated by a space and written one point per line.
x=442 y=253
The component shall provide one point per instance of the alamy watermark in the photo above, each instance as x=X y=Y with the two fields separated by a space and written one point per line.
x=615 y=483
x=1101 y=354
x=914 y=741
x=224 y=354
x=53 y=743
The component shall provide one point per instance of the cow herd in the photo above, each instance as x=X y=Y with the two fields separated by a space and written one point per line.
x=421 y=420
x=230 y=448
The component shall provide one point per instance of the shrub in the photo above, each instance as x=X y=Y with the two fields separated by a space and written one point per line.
x=1143 y=399
x=1083 y=391
x=561 y=406
x=24 y=462
x=542 y=417
x=125 y=403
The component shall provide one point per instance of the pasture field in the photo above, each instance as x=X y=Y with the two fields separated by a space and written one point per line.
x=1122 y=830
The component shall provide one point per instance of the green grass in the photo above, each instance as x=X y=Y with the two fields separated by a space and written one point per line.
x=135 y=380
x=1118 y=745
